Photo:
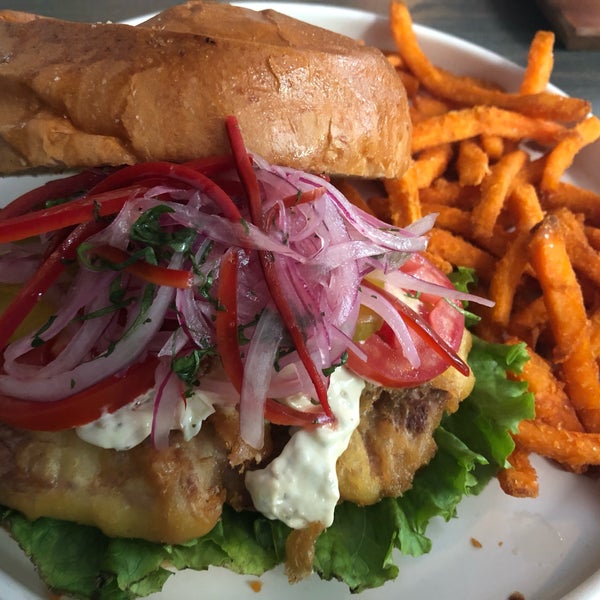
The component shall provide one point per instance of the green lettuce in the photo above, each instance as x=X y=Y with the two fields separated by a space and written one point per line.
x=473 y=444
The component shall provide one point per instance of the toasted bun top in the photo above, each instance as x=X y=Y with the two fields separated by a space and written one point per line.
x=80 y=95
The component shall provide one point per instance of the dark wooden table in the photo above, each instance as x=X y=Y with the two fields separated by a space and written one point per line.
x=504 y=26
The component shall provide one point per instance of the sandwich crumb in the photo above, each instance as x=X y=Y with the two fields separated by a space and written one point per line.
x=476 y=543
x=255 y=585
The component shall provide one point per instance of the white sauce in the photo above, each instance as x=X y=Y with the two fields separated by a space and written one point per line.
x=300 y=486
x=130 y=425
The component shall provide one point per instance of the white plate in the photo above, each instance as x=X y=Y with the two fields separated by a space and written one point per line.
x=546 y=549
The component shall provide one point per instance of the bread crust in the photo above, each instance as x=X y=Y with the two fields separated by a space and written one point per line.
x=82 y=95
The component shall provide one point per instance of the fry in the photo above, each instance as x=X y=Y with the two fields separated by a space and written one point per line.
x=584 y=258
x=380 y=206
x=472 y=163
x=532 y=172
x=458 y=125
x=549 y=258
x=506 y=277
x=593 y=236
x=404 y=198
x=494 y=191
x=572 y=448
x=530 y=321
x=562 y=155
x=540 y=63
x=445 y=85
x=443 y=265
x=575 y=198
x=552 y=405
x=425 y=106
x=520 y=479
x=525 y=204
x=458 y=222
x=453 y=219
x=449 y=193
x=595 y=333
x=493 y=146
x=394 y=60
x=430 y=164
x=459 y=252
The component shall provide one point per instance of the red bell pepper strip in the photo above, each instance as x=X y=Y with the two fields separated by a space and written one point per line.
x=171 y=172
x=83 y=407
x=177 y=278
x=282 y=414
x=71 y=213
x=32 y=291
x=211 y=164
x=57 y=188
x=248 y=177
x=303 y=197
x=226 y=329
x=226 y=319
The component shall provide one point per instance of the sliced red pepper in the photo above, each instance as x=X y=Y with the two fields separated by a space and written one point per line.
x=57 y=188
x=295 y=331
x=177 y=278
x=84 y=407
x=303 y=197
x=210 y=165
x=32 y=291
x=71 y=213
x=282 y=414
x=171 y=171
x=226 y=328
x=248 y=177
x=226 y=319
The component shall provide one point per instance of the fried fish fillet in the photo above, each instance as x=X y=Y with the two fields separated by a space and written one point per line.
x=167 y=496
x=177 y=494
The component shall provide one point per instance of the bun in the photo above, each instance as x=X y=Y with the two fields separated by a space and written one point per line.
x=81 y=95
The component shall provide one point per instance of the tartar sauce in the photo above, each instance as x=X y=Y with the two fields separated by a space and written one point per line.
x=300 y=486
x=130 y=425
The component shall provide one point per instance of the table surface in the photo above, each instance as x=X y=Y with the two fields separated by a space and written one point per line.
x=505 y=27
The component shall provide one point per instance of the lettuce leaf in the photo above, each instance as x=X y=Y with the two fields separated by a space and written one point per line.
x=473 y=444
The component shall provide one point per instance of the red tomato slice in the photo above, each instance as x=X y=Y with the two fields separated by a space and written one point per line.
x=88 y=405
x=386 y=364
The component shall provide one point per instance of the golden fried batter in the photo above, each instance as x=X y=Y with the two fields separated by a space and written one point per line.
x=169 y=496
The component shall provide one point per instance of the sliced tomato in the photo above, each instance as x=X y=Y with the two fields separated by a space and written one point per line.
x=84 y=407
x=386 y=363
